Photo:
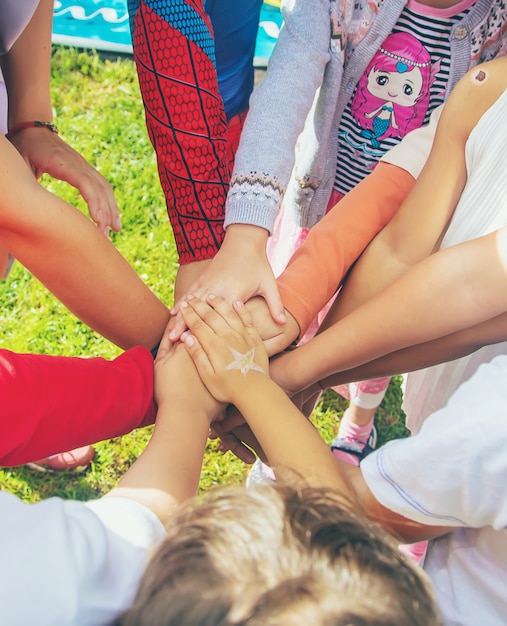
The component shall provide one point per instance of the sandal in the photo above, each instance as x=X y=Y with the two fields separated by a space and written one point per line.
x=357 y=448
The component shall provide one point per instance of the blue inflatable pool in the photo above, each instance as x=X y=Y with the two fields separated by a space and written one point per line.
x=104 y=25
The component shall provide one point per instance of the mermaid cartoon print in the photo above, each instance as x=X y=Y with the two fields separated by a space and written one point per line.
x=393 y=94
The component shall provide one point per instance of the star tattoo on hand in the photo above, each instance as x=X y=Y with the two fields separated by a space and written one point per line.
x=244 y=362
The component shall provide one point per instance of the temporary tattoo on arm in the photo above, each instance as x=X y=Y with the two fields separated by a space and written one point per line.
x=244 y=362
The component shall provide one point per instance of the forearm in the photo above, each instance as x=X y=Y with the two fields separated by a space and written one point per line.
x=288 y=439
x=443 y=349
x=72 y=401
x=26 y=69
x=417 y=229
x=319 y=266
x=278 y=109
x=191 y=145
x=473 y=273
x=168 y=471
x=88 y=274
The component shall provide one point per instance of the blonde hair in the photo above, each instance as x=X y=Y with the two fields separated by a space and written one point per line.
x=278 y=555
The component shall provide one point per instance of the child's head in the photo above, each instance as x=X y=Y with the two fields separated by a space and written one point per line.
x=275 y=555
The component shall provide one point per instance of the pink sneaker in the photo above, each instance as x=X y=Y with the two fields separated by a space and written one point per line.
x=354 y=451
x=80 y=458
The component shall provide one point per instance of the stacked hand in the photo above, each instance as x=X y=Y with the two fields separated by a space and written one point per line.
x=177 y=384
x=224 y=344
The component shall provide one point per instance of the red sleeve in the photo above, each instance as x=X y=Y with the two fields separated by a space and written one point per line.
x=51 y=404
x=174 y=54
x=318 y=267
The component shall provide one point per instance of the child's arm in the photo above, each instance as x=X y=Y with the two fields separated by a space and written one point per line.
x=264 y=161
x=232 y=362
x=67 y=253
x=168 y=471
x=71 y=401
x=26 y=70
x=319 y=266
x=426 y=354
x=455 y=288
x=100 y=548
x=419 y=226
x=450 y=291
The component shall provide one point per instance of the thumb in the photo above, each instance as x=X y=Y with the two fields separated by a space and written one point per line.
x=274 y=302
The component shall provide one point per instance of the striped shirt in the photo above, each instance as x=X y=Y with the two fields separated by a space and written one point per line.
x=371 y=126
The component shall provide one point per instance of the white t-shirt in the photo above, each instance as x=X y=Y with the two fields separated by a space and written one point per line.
x=68 y=563
x=454 y=473
x=412 y=153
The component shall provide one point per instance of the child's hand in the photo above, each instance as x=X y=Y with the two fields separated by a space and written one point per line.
x=46 y=152
x=226 y=349
x=177 y=384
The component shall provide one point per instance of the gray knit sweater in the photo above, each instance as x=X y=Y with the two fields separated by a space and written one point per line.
x=289 y=143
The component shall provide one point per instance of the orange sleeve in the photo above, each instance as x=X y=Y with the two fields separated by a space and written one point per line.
x=318 y=267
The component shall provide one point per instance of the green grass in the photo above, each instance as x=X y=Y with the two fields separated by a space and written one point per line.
x=98 y=110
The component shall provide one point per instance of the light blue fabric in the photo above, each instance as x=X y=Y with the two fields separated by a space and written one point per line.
x=235 y=24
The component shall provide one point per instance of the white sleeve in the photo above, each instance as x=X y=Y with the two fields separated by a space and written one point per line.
x=454 y=471
x=68 y=563
x=413 y=151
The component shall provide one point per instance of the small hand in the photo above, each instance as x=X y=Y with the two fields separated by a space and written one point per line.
x=224 y=345
x=276 y=337
x=177 y=382
x=235 y=435
x=47 y=153
x=280 y=370
x=239 y=271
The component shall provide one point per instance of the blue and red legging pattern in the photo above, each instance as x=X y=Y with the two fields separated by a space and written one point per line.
x=174 y=54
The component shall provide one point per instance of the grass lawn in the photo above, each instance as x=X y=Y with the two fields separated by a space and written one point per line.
x=98 y=110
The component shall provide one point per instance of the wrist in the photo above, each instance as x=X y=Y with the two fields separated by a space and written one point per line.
x=248 y=388
x=15 y=129
x=252 y=392
x=292 y=329
x=289 y=372
x=246 y=236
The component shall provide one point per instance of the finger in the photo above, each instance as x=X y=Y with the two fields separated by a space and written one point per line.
x=275 y=344
x=199 y=328
x=166 y=343
x=228 y=312
x=101 y=202
x=274 y=302
x=192 y=293
x=247 y=321
x=199 y=356
x=207 y=314
x=175 y=328
x=230 y=443
x=231 y=420
x=68 y=165
x=244 y=434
